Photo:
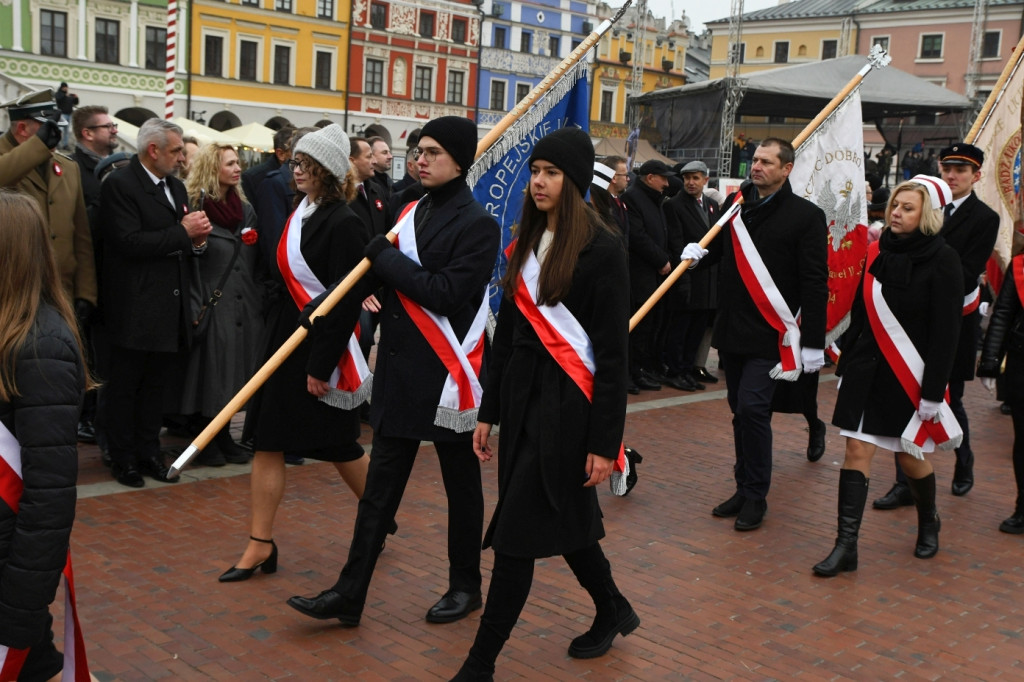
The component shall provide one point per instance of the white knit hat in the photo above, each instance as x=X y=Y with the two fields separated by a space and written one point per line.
x=330 y=147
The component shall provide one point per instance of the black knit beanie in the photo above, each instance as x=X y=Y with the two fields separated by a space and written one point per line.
x=458 y=137
x=571 y=150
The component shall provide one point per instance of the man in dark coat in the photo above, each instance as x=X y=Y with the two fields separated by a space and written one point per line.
x=971 y=228
x=382 y=164
x=789 y=237
x=457 y=243
x=148 y=235
x=252 y=177
x=650 y=260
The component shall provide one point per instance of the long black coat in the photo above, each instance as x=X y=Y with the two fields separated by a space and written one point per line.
x=373 y=209
x=648 y=240
x=972 y=232
x=145 y=270
x=789 y=232
x=693 y=222
x=1005 y=338
x=928 y=306
x=458 y=246
x=547 y=425
x=44 y=419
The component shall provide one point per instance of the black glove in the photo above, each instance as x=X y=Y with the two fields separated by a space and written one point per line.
x=49 y=133
x=304 y=316
x=84 y=311
x=376 y=246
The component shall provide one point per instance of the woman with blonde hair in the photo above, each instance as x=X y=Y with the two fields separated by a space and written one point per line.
x=895 y=365
x=229 y=330
x=42 y=381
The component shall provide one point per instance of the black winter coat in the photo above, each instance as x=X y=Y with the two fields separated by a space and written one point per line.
x=922 y=285
x=972 y=232
x=693 y=222
x=790 y=234
x=648 y=240
x=548 y=426
x=44 y=419
x=1005 y=337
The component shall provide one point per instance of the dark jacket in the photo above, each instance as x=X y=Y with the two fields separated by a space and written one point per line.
x=971 y=231
x=1005 y=338
x=548 y=427
x=253 y=177
x=87 y=161
x=790 y=235
x=373 y=208
x=648 y=240
x=693 y=222
x=458 y=246
x=273 y=205
x=44 y=419
x=145 y=269
x=924 y=291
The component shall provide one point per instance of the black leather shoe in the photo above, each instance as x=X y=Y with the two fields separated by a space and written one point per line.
x=963 y=477
x=898 y=496
x=701 y=375
x=1005 y=409
x=646 y=382
x=86 y=432
x=816 y=441
x=154 y=467
x=730 y=507
x=293 y=459
x=268 y=565
x=329 y=604
x=1014 y=524
x=683 y=382
x=632 y=388
x=453 y=606
x=752 y=514
x=106 y=459
x=127 y=475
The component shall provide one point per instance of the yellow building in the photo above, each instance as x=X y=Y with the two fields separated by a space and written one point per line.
x=769 y=45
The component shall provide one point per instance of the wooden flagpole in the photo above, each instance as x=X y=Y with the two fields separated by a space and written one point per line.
x=877 y=58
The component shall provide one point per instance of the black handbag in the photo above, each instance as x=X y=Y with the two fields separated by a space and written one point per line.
x=201 y=325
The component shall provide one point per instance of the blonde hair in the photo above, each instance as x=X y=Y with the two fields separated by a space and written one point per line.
x=205 y=173
x=931 y=216
x=29 y=277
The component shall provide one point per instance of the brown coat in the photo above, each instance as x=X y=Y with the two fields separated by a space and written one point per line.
x=59 y=197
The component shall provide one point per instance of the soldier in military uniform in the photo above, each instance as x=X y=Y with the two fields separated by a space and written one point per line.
x=29 y=163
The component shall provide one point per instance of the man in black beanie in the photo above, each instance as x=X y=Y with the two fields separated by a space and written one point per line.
x=434 y=282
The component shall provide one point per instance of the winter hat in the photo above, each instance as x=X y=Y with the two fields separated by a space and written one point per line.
x=938 y=190
x=330 y=147
x=603 y=175
x=571 y=150
x=457 y=135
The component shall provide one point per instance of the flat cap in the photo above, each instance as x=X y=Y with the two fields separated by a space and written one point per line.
x=38 y=104
x=695 y=167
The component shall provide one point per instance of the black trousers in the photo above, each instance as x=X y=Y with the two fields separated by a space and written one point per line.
x=749 y=390
x=692 y=324
x=956 y=404
x=391 y=462
x=1018 y=452
x=133 y=405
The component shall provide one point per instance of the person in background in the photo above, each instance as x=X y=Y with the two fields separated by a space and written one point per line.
x=66 y=102
x=412 y=171
x=876 y=213
x=189 y=152
x=382 y=164
x=253 y=177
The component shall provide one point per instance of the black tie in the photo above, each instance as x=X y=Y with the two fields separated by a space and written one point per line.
x=948 y=211
x=160 y=186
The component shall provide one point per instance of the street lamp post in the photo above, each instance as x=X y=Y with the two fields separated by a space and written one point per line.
x=479 y=54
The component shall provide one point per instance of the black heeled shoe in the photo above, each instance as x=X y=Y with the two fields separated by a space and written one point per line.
x=268 y=565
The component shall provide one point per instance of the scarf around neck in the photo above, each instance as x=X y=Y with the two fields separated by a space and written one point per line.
x=226 y=212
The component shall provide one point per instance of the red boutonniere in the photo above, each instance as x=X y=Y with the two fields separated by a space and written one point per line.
x=379 y=204
x=249 y=236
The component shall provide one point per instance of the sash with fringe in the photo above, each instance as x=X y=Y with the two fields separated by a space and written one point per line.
x=567 y=342
x=460 y=397
x=769 y=302
x=76 y=667
x=351 y=382
x=908 y=366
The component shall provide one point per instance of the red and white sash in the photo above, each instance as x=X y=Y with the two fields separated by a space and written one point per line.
x=908 y=366
x=351 y=382
x=769 y=301
x=460 y=397
x=568 y=343
x=972 y=301
x=76 y=667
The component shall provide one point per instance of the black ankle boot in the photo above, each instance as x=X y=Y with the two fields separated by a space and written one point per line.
x=853 y=495
x=928 y=524
x=233 y=452
x=614 y=616
x=474 y=671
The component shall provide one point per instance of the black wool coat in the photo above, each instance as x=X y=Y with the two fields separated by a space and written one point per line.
x=44 y=418
x=373 y=209
x=972 y=232
x=548 y=426
x=790 y=234
x=928 y=305
x=692 y=223
x=458 y=243
x=1005 y=338
x=145 y=261
x=648 y=240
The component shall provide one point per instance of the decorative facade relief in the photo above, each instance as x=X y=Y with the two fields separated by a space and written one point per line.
x=359 y=12
x=403 y=19
x=400 y=73
x=444 y=21
x=518 y=62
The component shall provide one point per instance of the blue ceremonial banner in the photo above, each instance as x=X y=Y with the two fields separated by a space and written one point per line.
x=501 y=179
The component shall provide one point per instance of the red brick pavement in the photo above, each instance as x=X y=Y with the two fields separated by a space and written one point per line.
x=714 y=603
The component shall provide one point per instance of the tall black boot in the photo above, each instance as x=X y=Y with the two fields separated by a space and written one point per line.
x=614 y=616
x=923 y=490
x=853 y=495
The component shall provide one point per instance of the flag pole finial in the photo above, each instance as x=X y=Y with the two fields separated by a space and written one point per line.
x=878 y=57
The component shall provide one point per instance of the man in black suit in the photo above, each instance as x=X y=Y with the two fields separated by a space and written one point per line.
x=382 y=164
x=371 y=202
x=457 y=243
x=971 y=228
x=148 y=236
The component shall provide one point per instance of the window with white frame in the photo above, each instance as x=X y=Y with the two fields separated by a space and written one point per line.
x=156 y=48
x=53 y=33
x=931 y=46
x=456 y=87
x=373 y=80
x=990 y=44
x=607 y=105
x=422 y=82
x=248 y=60
x=213 y=55
x=108 y=41
x=282 y=64
x=497 y=95
x=323 y=70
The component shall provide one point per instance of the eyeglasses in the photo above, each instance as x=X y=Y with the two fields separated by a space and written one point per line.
x=109 y=126
x=431 y=153
x=303 y=165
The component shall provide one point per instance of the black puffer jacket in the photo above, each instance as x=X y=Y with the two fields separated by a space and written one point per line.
x=44 y=419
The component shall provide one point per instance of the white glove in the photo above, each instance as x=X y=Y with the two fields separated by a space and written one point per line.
x=694 y=253
x=983 y=308
x=928 y=410
x=989 y=383
x=813 y=359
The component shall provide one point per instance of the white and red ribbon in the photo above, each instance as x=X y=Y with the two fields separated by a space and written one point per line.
x=908 y=366
x=460 y=397
x=351 y=382
x=972 y=301
x=769 y=301
x=568 y=343
x=76 y=667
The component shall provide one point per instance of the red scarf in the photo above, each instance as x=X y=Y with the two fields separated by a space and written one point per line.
x=226 y=213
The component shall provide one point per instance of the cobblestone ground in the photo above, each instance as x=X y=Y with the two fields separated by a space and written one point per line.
x=714 y=603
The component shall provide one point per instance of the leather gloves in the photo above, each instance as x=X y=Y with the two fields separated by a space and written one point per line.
x=49 y=133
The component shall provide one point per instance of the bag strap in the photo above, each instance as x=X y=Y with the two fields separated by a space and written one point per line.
x=217 y=291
